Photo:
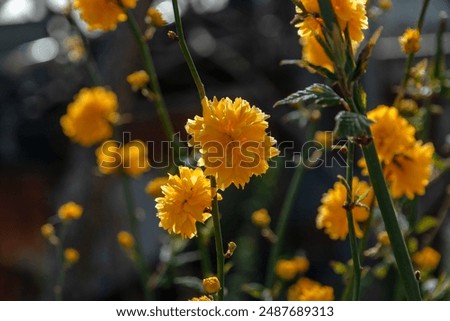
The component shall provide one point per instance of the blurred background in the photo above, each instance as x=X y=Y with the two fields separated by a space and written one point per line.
x=237 y=46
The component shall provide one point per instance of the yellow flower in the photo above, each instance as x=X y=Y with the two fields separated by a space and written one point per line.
x=186 y=196
x=409 y=172
x=90 y=116
x=410 y=41
x=392 y=134
x=71 y=255
x=385 y=4
x=135 y=158
x=109 y=158
x=201 y=298
x=103 y=14
x=324 y=138
x=132 y=158
x=70 y=211
x=308 y=290
x=233 y=140
x=75 y=48
x=261 y=218
x=427 y=259
x=125 y=240
x=333 y=217
x=155 y=17
x=383 y=238
x=138 y=80
x=314 y=53
x=302 y=263
x=286 y=269
x=408 y=107
x=47 y=230
x=153 y=187
x=211 y=285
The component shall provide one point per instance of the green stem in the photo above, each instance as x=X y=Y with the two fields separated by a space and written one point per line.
x=185 y=51
x=154 y=82
x=356 y=284
x=286 y=211
x=140 y=262
x=410 y=284
x=61 y=277
x=410 y=58
x=218 y=240
x=204 y=255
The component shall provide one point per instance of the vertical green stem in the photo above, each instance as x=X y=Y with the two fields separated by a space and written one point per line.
x=140 y=262
x=410 y=58
x=218 y=240
x=410 y=284
x=286 y=210
x=356 y=284
x=185 y=51
x=154 y=82
x=61 y=277
x=204 y=255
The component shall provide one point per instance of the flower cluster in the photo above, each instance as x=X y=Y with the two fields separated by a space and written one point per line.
x=407 y=163
x=90 y=116
x=233 y=141
x=332 y=216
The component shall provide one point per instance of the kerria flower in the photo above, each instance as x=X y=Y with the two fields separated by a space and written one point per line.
x=71 y=256
x=409 y=172
x=155 y=18
x=288 y=269
x=103 y=14
x=391 y=133
x=211 y=284
x=410 y=41
x=186 y=198
x=350 y=14
x=131 y=159
x=70 y=211
x=90 y=116
x=232 y=139
x=332 y=217
x=308 y=290
x=138 y=80
x=426 y=259
x=201 y=298
x=153 y=187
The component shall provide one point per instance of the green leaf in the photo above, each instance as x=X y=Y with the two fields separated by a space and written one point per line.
x=317 y=94
x=349 y=124
x=338 y=267
x=189 y=282
x=327 y=13
x=425 y=224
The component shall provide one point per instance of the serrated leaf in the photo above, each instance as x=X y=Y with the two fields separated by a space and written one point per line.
x=349 y=124
x=425 y=224
x=189 y=282
x=363 y=58
x=316 y=94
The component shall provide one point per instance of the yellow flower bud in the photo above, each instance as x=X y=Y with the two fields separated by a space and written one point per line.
x=302 y=264
x=71 y=255
x=383 y=238
x=286 y=269
x=427 y=259
x=385 y=4
x=261 y=218
x=47 y=230
x=211 y=285
x=201 y=298
x=138 y=80
x=125 y=240
x=70 y=211
x=155 y=17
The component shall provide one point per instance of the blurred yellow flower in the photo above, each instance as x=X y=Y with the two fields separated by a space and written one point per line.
x=47 y=230
x=153 y=187
x=302 y=263
x=233 y=140
x=186 y=197
x=314 y=53
x=132 y=158
x=135 y=158
x=211 y=285
x=261 y=218
x=392 y=133
x=410 y=41
x=308 y=290
x=201 y=298
x=138 y=80
x=385 y=4
x=383 y=238
x=70 y=211
x=427 y=259
x=155 y=17
x=71 y=255
x=90 y=116
x=103 y=14
x=410 y=171
x=286 y=269
x=332 y=216
x=125 y=240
